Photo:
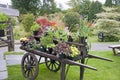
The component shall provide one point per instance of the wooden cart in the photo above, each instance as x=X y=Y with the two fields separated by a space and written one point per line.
x=30 y=64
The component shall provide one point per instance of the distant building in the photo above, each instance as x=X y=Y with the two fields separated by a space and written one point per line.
x=5 y=6
x=8 y=10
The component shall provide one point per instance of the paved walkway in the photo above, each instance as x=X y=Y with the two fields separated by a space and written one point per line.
x=101 y=46
x=3 y=68
x=16 y=59
x=4 y=62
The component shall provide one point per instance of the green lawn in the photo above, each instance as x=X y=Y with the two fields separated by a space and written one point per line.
x=13 y=53
x=106 y=70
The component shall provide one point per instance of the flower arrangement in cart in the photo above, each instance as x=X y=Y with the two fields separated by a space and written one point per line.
x=50 y=39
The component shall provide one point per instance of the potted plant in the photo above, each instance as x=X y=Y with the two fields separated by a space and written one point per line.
x=35 y=28
x=47 y=40
x=3 y=25
x=24 y=41
x=61 y=35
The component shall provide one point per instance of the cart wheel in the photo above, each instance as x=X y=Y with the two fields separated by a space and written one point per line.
x=52 y=65
x=30 y=66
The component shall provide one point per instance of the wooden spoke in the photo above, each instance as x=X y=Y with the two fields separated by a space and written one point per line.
x=52 y=65
x=30 y=66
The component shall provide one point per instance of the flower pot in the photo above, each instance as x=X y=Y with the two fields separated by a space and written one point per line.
x=35 y=33
x=62 y=56
x=2 y=33
x=37 y=39
x=70 y=39
x=83 y=40
x=24 y=43
x=49 y=50
x=42 y=49
x=55 y=42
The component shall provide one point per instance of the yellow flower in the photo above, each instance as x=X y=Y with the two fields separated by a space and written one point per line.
x=74 y=51
x=24 y=39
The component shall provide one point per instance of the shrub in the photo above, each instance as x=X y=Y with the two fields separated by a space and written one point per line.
x=71 y=19
x=109 y=23
x=112 y=38
x=13 y=21
x=3 y=17
x=27 y=21
x=19 y=32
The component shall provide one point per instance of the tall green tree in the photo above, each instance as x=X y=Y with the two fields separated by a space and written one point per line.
x=71 y=19
x=86 y=8
x=95 y=7
x=48 y=6
x=25 y=6
x=108 y=3
x=75 y=4
x=80 y=6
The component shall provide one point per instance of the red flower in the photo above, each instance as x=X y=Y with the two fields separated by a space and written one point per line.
x=90 y=25
x=52 y=23
x=45 y=22
x=38 y=21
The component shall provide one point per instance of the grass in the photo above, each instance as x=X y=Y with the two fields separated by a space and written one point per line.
x=13 y=53
x=106 y=70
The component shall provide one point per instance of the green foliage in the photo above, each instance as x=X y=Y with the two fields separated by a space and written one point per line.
x=26 y=6
x=13 y=21
x=71 y=19
x=35 y=27
x=108 y=3
x=48 y=7
x=118 y=9
x=20 y=18
x=19 y=32
x=47 y=39
x=61 y=35
x=111 y=38
x=107 y=24
x=86 y=8
x=3 y=18
x=75 y=4
x=109 y=15
x=27 y=21
x=95 y=7
x=80 y=6
x=84 y=29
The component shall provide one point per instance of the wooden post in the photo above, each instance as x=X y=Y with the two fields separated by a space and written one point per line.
x=82 y=69
x=62 y=73
x=83 y=53
x=11 y=37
